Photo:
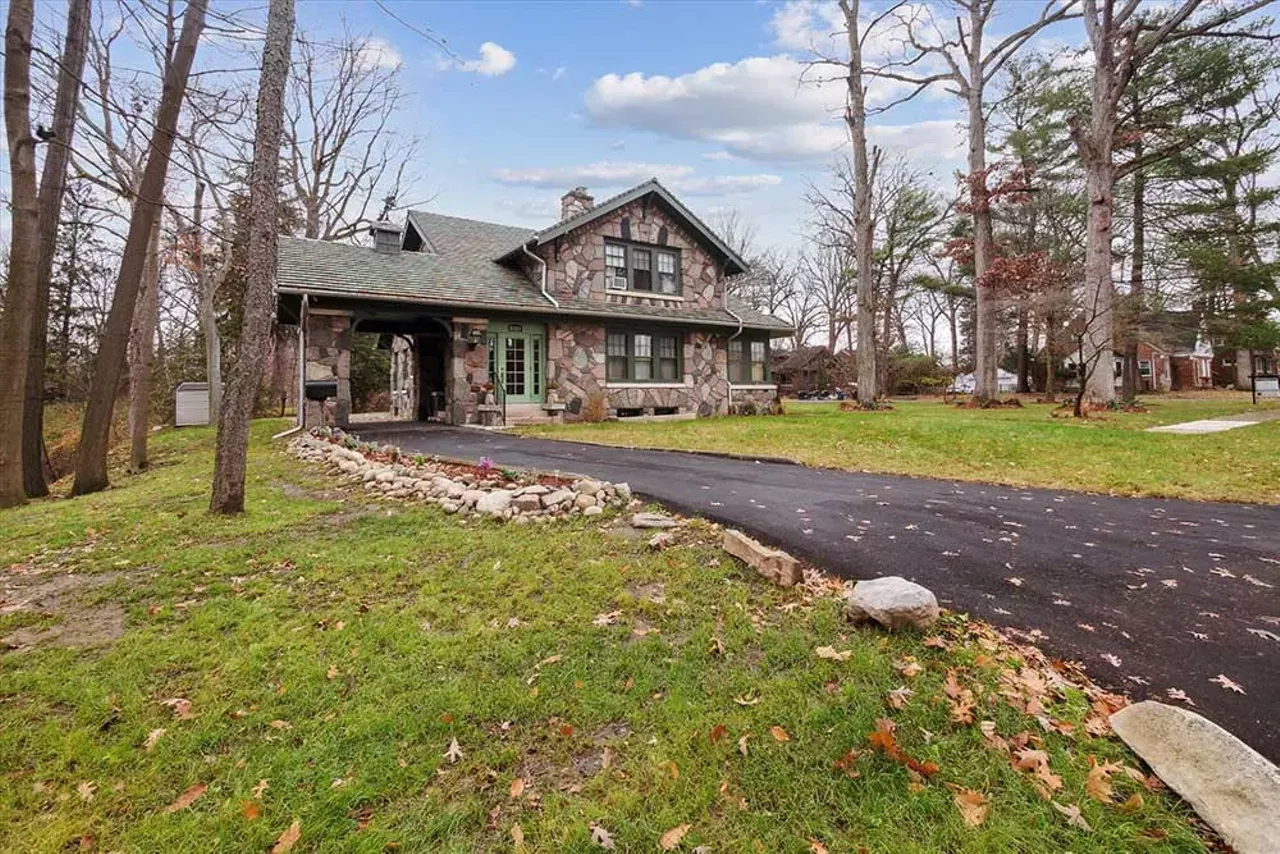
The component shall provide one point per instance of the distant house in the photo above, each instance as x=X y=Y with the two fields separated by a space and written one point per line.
x=812 y=368
x=1006 y=382
x=619 y=308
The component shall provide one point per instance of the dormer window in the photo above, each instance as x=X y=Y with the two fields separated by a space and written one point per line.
x=641 y=267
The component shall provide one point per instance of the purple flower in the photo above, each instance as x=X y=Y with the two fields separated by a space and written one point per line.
x=485 y=465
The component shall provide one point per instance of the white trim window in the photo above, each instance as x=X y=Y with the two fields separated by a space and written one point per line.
x=668 y=280
x=615 y=266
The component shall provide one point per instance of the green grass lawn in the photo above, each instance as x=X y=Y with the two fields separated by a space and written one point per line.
x=313 y=662
x=1018 y=447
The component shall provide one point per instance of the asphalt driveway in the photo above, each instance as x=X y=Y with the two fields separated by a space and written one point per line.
x=1158 y=598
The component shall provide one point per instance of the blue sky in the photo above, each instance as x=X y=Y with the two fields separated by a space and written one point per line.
x=703 y=94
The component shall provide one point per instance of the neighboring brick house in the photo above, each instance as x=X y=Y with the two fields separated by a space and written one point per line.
x=619 y=309
x=813 y=369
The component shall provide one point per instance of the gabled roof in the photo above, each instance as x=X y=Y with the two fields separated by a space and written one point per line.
x=802 y=358
x=654 y=186
x=456 y=236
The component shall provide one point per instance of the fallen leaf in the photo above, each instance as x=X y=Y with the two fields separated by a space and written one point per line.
x=829 y=652
x=1074 y=818
x=332 y=672
x=993 y=741
x=153 y=738
x=606 y=619
x=718 y=732
x=746 y=700
x=1228 y=683
x=180 y=706
x=551 y=659
x=937 y=642
x=959 y=698
x=601 y=837
x=909 y=668
x=262 y=786
x=517 y=836
x=250 y=810
x=670 y=840
x=277 y=724
x=86 y=789
x=454 y=753
x=898 y=697
x=779 y=734
x=671 y=769
x=517 y=787
x=1098 y=783
x=817 y=847
x=1179 y=694
x=973 y=805
x=1037 y=762
x=187 y=798
x=845 y=764
x=742 y=744
x=1132 y=804
x=288 y=839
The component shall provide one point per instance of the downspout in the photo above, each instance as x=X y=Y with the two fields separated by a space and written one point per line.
x=302 y=360
x=734 y=315
x=525 y=249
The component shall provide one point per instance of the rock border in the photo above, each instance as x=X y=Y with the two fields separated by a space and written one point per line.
x=486 y=491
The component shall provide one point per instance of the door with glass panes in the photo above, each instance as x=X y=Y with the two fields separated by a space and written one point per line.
x=517 y=360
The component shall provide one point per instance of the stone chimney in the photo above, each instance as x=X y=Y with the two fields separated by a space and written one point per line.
x=576 y=201
x=386 y=237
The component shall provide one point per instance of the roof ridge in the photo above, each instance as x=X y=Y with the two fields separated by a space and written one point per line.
x=413 y=211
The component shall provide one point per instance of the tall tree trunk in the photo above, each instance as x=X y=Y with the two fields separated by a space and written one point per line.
x=985 y=360
x=1099 y=291
x=1049 y=357
x=53 y=181
x=953 y=321
x=1135 y=316
x=207 y=311
x=91 y=462
x=230 y=460
x=856 y=118
x=20 y=297
x=142 y=349
x=1022 y=345
x=1235 y=258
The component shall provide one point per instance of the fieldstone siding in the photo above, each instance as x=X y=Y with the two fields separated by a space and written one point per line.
x=753 y=400
x=329 y=358
x=576 y=367
x=467 y=373
x=575 y=262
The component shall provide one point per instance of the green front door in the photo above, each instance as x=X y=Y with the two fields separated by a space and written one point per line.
x=517 y=359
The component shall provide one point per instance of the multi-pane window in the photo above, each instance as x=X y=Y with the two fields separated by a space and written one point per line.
x=632 y=267
x=642 y=357
x=667 y=272
x=615 y=266
x=641 y=274
x=748 y=361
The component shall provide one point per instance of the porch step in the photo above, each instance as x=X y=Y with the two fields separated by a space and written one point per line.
x=527 y=413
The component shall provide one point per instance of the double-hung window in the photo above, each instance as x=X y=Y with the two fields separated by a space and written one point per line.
x=641 y=268
x=748 y=361
x=642 y=356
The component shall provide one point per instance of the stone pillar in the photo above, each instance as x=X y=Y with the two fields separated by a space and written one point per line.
x=468 y=370
x=404 y=379
x=329 y=358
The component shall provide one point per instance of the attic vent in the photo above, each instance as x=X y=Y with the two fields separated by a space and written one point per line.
x=625 y=228
x=662 y=235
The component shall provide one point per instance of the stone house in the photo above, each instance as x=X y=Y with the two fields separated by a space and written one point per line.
x=619 y=309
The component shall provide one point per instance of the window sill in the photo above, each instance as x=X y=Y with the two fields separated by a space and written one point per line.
x=647 y=295
x=642 y=384
x=753 y=386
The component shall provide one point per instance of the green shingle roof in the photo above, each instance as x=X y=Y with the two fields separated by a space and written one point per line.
x=457 y=268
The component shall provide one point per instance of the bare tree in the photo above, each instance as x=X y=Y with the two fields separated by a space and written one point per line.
x=343 y=157
x=970 y=66
x=737 y=231
x=53 y=182
x=20 y=292
x=230 y=460
x=91 y=462
x=1123 y=37
x=142 y=346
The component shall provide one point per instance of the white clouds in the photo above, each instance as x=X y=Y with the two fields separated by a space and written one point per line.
x=559 y=72
x=375 y=52
x=495 y=61
x=621 y=174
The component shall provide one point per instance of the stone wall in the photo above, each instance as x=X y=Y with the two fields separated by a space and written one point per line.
x=575 y=262
x=576 y=365
x=758 y=400
x=468 y=370
x=328 y=342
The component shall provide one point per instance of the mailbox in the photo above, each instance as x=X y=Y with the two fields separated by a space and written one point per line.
x=321 y=389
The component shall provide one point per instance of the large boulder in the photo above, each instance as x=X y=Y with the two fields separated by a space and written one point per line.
x=893 y=602
x=652 y=520
x=1231 y=786
x=494 y=503
x=553 y=499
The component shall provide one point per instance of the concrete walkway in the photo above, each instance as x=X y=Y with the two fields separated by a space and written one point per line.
x=1158 y=598
x=1218 y=425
